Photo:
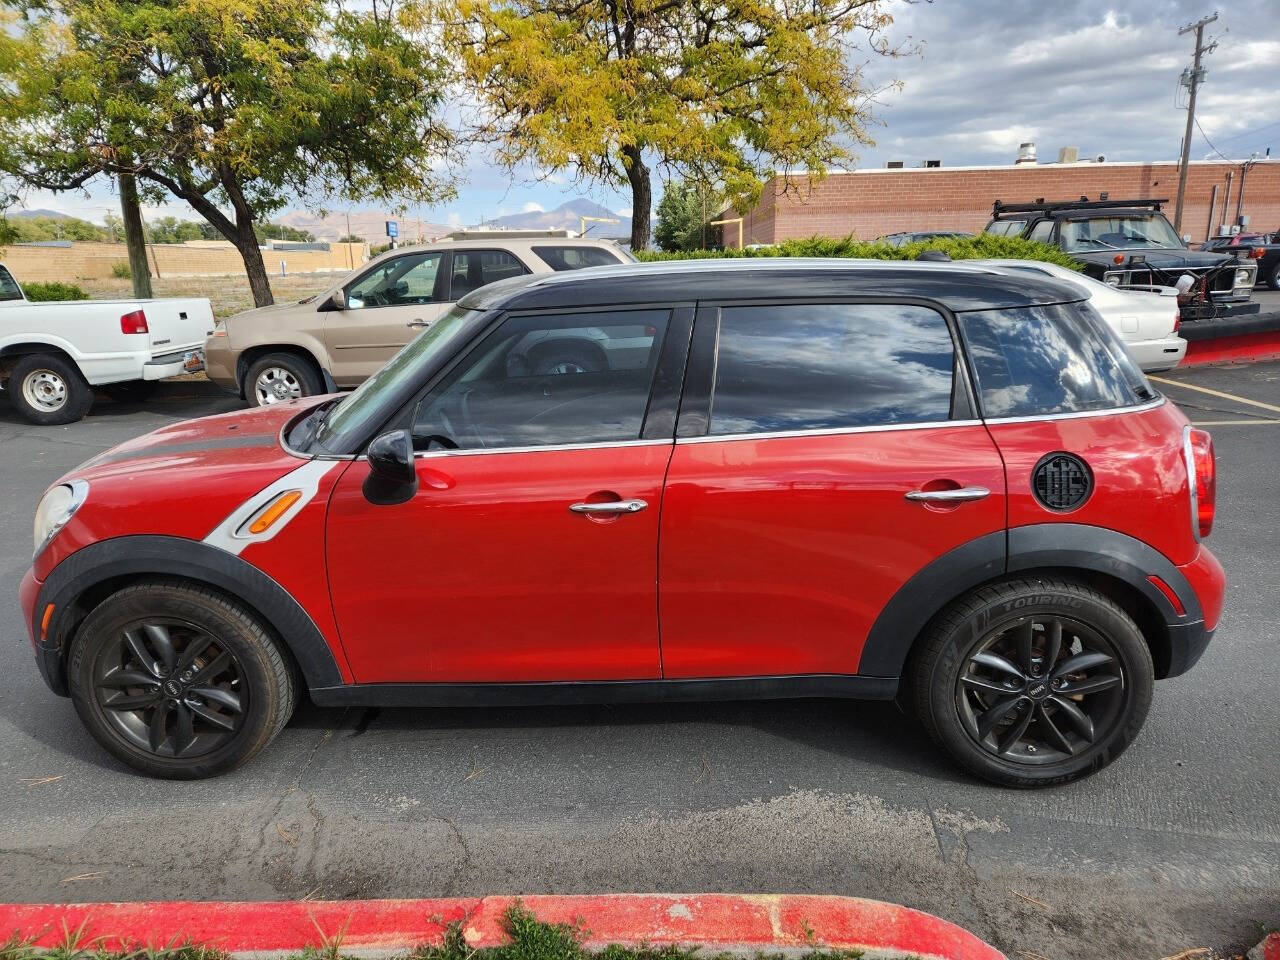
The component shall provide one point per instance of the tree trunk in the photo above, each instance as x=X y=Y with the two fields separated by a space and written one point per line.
x=134 y=240
x=641 y=196
x=259 y=284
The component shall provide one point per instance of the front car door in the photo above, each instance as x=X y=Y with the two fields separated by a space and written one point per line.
x=387 y=307
x=529 y=552
x=826 y=452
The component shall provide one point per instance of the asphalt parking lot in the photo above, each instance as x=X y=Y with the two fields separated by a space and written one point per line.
x=1176 y=845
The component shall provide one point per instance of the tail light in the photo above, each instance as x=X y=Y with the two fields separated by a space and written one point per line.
x=135 y=322
x=1177 y=320
x=1202 y=473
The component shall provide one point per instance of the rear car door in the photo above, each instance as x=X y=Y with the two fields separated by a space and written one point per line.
x=386 y=308
x=825 y=453
x=529 y=551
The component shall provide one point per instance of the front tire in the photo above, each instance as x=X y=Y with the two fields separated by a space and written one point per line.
x=282 y=376
x=1032 y=683
x=178 y=681
x=48 y=390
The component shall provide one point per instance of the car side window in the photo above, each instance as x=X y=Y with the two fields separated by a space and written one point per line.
x=1044 y=360
x=1042 y=231
x=473 y=269
x=401 y=281
x=9 y=289
x=829 y=366
x=1006 y=228
x=560 y=258
x=547 y=379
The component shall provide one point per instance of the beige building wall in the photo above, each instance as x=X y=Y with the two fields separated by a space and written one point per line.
x=90 y=261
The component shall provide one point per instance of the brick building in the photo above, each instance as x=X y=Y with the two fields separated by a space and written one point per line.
x=869 y=203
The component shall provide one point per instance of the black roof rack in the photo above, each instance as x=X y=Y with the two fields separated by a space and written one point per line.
x=1084 y=203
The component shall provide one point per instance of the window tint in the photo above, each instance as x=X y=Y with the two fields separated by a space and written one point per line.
x=575 y=378
x=473 y=269
x=1033 y=361
x=824 y=366
x=1006 y=228
x=575 y=258
x=1042 y=231
x=9 y=289
x=398 y=282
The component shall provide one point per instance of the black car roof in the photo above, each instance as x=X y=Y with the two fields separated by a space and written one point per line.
x=957 y=286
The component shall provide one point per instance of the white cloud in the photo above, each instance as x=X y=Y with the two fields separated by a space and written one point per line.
x=532 y=207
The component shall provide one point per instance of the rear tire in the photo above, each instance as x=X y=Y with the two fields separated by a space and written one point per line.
x=49 y=390
x=1009 y=703
x=178 y=681
x=276 y=377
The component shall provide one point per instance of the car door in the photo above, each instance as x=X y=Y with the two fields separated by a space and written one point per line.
x=529 y=552
x=386 y=307
x=826 y=452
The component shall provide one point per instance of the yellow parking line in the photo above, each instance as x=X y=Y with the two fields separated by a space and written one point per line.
x=1229 y=423
x=1217 y=393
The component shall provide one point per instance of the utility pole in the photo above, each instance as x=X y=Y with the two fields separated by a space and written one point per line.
x=1194 y=79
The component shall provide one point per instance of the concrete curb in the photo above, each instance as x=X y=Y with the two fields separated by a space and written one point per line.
x=743 y=925
x=1268 y=949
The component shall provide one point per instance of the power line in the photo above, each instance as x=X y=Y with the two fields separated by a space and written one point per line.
x=1210 y=143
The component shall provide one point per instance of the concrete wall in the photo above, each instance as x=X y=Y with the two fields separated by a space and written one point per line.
x=869 y=203
x=85 y=261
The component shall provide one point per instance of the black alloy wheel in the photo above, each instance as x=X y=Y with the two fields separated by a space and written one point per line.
x=1041 y=690
x=170 y=688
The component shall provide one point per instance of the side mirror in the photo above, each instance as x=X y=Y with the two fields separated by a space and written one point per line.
x=1186 y=238
x=338 y=300
x=392 y=477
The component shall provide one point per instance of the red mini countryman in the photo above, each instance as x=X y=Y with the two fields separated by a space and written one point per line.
x=764 y=478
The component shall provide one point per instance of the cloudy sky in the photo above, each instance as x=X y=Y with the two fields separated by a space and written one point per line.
x=1101 y=75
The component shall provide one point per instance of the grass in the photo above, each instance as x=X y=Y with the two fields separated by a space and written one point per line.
x=227 y=295
x=530 y=939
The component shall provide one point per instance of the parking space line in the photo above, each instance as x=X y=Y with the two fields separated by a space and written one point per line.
x=1217 y=393
x=1229 y=423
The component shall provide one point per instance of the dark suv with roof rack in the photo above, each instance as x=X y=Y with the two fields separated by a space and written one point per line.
x=1130 y=243
x=783 y=478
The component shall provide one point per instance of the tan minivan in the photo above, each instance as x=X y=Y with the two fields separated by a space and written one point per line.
x=339 y=337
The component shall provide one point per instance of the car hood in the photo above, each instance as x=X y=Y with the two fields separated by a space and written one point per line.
x=1161 y=259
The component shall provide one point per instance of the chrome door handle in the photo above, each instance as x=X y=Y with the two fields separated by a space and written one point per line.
x=962 y=495
x=611 y=506
x=418 y=323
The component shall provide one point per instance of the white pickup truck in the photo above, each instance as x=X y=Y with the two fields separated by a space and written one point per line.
x=53 y=355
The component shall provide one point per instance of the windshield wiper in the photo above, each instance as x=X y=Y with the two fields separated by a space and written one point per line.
x=312 y=424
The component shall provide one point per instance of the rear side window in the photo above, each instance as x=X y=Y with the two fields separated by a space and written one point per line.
x=473 y=269
x=1042 y=360
x=830 y=365
x=575 y=258
x=9 y=289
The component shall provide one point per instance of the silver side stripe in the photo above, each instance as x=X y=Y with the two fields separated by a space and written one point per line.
x=231 y=534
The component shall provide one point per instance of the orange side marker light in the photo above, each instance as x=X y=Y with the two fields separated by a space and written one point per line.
x=44 y=622
x=278 y=507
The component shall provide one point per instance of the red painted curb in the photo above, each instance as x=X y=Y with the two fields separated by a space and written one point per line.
x=1244 y=348
x=720 y=921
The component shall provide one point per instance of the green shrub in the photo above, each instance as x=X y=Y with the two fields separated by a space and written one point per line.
x=121 y=270
x=54 y=291
x=983 y=246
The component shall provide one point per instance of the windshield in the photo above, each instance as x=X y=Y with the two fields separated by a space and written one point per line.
x=354 y=414
x=1118 y=233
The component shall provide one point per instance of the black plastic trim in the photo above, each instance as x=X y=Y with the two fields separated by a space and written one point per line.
x=668 y=378
x=606 y=691
x=189 y=559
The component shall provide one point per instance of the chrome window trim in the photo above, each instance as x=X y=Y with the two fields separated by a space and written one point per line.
x=831 y=431
x=537 y=448
x=1106 y=412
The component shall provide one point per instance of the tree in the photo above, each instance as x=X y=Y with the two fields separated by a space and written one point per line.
x=351 y=238
x=684 y=214
x=233 y=107
x=723 y=91
x=278 y=231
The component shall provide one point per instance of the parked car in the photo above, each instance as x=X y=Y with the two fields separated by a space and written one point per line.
x=53 y=355
x=339 y=337
x=1130 y=243
x=840 y=479
x=1262 y=247
x=1145 y=319
x=902 y=239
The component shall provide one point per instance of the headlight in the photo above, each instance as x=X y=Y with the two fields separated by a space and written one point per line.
x=1244 y=276
x=1112 y=278
x=55 y=509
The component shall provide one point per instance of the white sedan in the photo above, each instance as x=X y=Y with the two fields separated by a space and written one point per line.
x=1146 y=319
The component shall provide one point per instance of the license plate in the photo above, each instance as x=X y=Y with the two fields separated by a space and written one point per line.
x=193 y=361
